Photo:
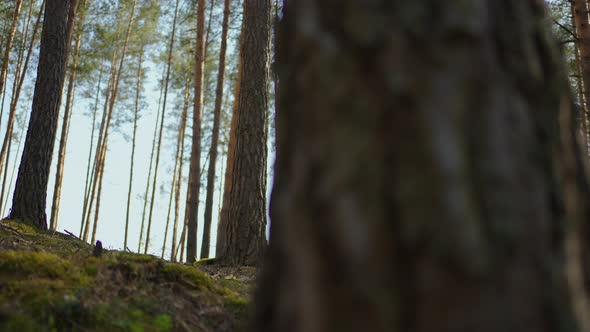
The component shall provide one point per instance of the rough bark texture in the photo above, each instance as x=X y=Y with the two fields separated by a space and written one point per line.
x=194 y=178
x=421 y=181
x=30 y=193
x=241 y=237
x=206 y=244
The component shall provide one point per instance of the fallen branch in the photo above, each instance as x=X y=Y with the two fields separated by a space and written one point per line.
x=8 y=228
x=71 y=234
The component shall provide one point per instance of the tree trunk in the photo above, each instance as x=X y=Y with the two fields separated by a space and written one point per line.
x=19 y=73
x=102 y=145
x=162 y=117
x=30 y=193
x=423 y=177
x=138 y=90
x=241 y=237
x=147 y=184
x=89 y=165
x=194 y=180
x=180 y=161
x=63 y=142
x=8 y=46
x=205 y=245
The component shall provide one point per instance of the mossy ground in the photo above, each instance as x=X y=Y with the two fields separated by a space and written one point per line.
x=51 y=282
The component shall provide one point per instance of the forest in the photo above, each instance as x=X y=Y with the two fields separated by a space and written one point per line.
x=295 y=165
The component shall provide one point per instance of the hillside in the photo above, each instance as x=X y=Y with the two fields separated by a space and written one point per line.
x=52 y=282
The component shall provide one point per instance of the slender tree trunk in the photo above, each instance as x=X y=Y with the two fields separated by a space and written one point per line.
x=8 y=45
x=162 y=117
x=14 y=166
x=63 y=142
x=206 y=243
x=439 y=198
x=30 y=194
x=89 y=166
x=111 y=106
x=147 y=185
x=97 y=153
x=241 y=236
x=138 y=90
x=15 y=96
x=194 y=182
x=180 y=161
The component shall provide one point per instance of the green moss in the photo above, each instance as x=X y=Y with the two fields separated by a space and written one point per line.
x=51 y=282
x=36 y=263
x=187 y=274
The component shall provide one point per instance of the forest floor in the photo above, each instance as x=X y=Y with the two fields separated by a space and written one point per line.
x=51 y=281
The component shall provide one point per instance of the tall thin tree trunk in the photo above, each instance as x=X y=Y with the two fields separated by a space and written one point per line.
x=138 y=89
x=206 y=243
x=16 y=94
x=147 y=185
x=89 y=166
x=178 y=170
x=241 y=235
x=102 y=150
x=63 y=142
x=162 y=117
x=30 y=193
x=194 y=182
x=8 y=45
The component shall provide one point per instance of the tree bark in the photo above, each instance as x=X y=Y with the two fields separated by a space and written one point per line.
x=423 y=177
x=29 y=199
x=241 y=236
x=194 y=182
x=206 y=243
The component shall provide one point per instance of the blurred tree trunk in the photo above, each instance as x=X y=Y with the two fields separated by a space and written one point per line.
x=29 y=199
x=424 y=177
x=241 y=235
x=583 y=33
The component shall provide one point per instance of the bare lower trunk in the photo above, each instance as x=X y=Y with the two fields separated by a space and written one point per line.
x=138 y=89
x=241 y=235
x=162 y=117
x=180 y=161
x=206 y=243
x=30 y=193
x=194 y=180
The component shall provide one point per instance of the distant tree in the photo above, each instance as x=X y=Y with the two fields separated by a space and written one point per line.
x=29 y=200
x=206 y=243
x=424 y=178
x=194 y=184
x=241 y=235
